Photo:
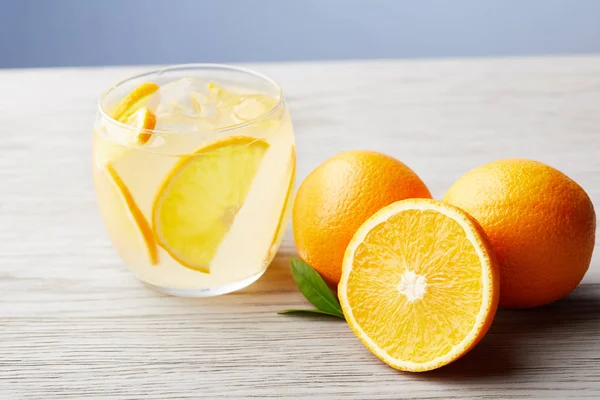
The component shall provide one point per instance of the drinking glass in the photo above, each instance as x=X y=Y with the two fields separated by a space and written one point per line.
x=194 y=171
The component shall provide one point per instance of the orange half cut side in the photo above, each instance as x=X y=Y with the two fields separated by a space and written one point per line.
x=419 y=284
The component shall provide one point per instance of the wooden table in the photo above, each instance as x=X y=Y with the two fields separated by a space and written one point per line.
x=74 y=323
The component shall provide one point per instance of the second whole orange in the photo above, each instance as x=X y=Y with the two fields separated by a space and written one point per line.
x=338 y=196
x=541 y=225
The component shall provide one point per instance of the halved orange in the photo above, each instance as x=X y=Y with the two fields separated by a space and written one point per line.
x=419 y=284
x=126 y=223
x=199 y=199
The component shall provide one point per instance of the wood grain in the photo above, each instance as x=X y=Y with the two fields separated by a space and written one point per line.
x=75 y=324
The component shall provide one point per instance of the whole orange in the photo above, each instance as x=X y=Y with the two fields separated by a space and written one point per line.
x=338 y=196
x=541 y=225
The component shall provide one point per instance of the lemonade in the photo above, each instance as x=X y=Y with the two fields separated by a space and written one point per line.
x=194 y=168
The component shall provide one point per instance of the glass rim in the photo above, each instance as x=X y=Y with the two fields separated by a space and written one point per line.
x=105 y=115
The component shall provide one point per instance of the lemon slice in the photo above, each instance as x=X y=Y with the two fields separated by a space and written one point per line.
x=145 y=120
x=127 y=226
x=198 y=201
x=135 y=100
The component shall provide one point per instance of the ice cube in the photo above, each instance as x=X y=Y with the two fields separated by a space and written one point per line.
x=234 y=108
x=252 y=106
x=182 y=105
x=182 y=123
x=183 y=96
x=192 y=105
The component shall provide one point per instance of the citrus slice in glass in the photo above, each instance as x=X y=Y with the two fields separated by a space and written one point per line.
x=199 y=199
x=285 y=210
x=144 y=120
x=135 y=100
x=112 y=149
x=131 y=111
x=419 y=284
x=128 y=228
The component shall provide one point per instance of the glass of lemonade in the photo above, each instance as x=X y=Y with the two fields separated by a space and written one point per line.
x=194 y=171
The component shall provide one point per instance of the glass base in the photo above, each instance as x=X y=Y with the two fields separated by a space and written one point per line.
x=206 y=292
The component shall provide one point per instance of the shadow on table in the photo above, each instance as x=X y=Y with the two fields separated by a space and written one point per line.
x=528 y=339
x=518 y=340
x=277 y=278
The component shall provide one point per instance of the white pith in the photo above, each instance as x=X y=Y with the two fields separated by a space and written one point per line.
x=412 y=285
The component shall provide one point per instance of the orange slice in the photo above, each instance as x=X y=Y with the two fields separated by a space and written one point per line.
x=145 y=121
x=127 y=226
x=419 y=284
x=285 y=211
x=134 y=101
x=201 y=196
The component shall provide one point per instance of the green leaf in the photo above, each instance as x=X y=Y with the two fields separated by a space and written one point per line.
x=309 y=311
x=314 y=288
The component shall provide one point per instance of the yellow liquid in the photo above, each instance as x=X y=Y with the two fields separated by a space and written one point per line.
x=255 y=232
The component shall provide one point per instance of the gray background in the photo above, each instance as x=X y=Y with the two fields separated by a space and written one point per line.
x=106 y=32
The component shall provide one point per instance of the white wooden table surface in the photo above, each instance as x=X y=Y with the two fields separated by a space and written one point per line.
x=74 y=323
